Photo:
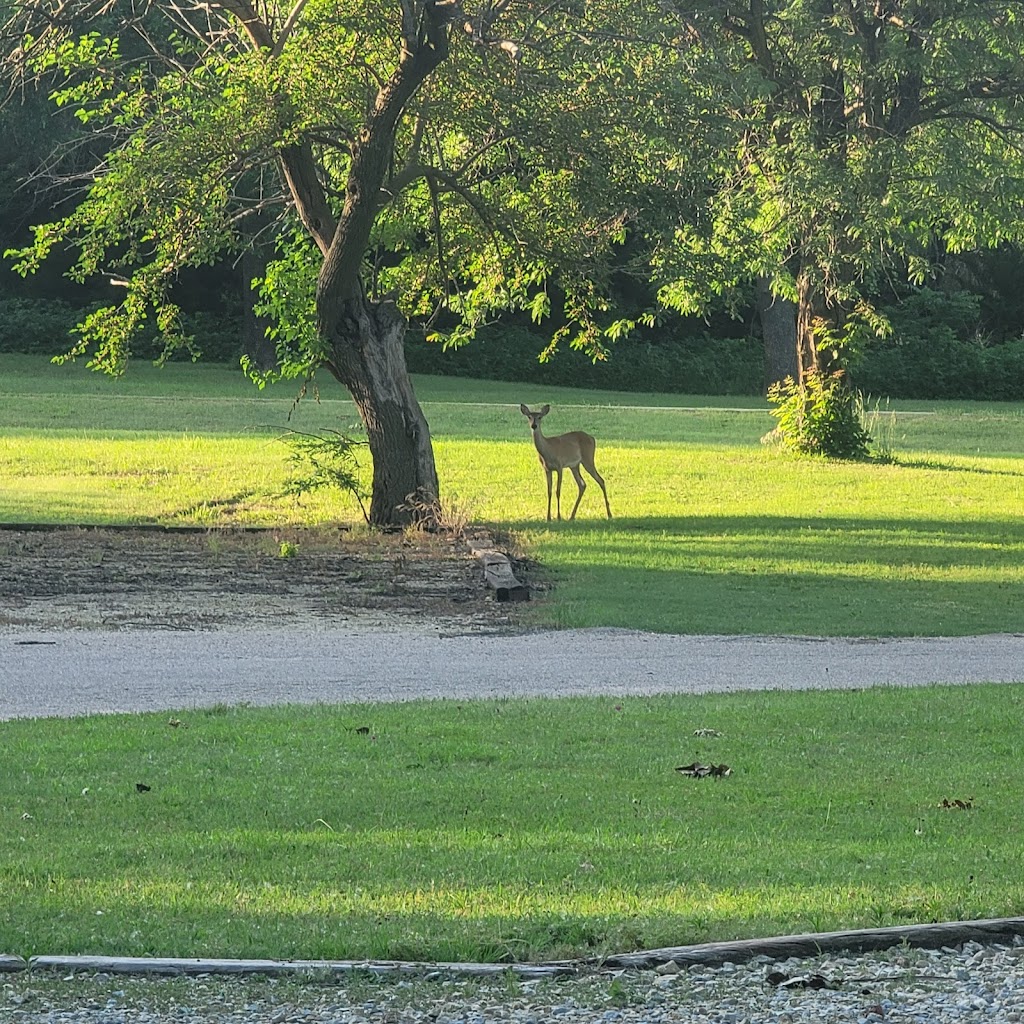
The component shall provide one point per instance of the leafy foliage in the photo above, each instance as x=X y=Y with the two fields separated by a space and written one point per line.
x=819 y=417
x=28 y=325
x=509 y=185
x=936 y=350
x=861 y=141
x=327 y=459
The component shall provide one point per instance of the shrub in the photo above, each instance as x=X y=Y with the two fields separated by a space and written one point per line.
x=820 y=417
x=36 y=325
x=47 y=326
x=324 y=460
x=933 y=351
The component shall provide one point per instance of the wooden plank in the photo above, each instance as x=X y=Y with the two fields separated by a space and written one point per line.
x=499 y=576
x=497 y=568
x=9 y=963
x=186 y=966
x=926 y=936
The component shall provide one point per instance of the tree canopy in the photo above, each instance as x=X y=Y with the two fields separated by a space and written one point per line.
x=868 y=136
x=424 y=158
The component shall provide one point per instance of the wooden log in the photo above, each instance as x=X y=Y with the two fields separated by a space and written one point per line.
x=499 y=576
x=925 y=936
x=498 y=573
x=9 y=963
x=186 y=966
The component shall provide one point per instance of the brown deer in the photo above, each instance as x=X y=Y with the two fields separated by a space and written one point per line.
x=566 y=451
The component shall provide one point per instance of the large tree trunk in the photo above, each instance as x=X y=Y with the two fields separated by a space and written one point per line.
x=363 y=338
x=778 y=330
x=367 y=355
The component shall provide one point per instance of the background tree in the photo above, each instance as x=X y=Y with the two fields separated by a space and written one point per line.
x=429 y=159
x=867 y=137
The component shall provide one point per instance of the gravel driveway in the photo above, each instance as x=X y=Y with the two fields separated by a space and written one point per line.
x=67 y=672
x=102 y=620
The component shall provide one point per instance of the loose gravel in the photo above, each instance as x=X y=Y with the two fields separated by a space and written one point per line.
x=73 y=672
x=965 y=984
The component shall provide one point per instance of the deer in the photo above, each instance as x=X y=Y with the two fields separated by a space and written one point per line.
x=566 y=451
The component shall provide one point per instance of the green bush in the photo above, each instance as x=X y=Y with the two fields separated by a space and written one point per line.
x=46 y=326
x=36 y=325
x=933 y=351
x=218 y=338
x=822 y=416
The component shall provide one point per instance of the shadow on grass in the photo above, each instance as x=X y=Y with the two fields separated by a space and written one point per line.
x=813 y=576
x=951 y=467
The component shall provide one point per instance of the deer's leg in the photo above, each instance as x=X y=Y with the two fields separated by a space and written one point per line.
x=582 y=485
x=548 y=473
x=558 y=493
x=592 y=470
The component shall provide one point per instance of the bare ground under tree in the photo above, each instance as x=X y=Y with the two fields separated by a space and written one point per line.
x=124 y=578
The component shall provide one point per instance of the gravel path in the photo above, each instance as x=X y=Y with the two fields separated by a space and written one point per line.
x=969 y=984
x=90 y=671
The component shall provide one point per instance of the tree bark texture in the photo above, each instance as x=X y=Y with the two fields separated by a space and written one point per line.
x=367 y=355
x=808 y=302
x=778 y=331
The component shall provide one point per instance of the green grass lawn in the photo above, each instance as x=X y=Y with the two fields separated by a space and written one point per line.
x=508 y=829
x=533 y=829
x=713 y=532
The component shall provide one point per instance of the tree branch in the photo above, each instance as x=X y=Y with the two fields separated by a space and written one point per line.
x=287 y=28
x=255 y=28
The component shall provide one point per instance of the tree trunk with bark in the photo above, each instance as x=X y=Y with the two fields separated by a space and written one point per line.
x=807 y=312
x=367 y=356
x=778 y=331
x=364 y=338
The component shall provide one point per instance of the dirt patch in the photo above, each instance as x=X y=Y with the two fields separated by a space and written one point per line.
x=120 y=579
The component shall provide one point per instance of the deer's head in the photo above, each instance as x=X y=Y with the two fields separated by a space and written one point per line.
x=535 y=417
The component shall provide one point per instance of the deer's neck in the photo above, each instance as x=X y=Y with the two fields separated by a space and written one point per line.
x=540 y=442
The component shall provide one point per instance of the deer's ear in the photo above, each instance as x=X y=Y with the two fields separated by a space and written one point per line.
x=523 y=409
x=545 y=410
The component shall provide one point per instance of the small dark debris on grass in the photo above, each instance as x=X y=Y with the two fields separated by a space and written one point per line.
x=707 y=733
x=957 y=805
x=141 y=787
x=363 y=730
x=704 y=771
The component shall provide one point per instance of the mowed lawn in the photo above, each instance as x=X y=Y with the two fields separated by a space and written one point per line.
x=508 y=830
x=514 y=830
x=713 y=531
